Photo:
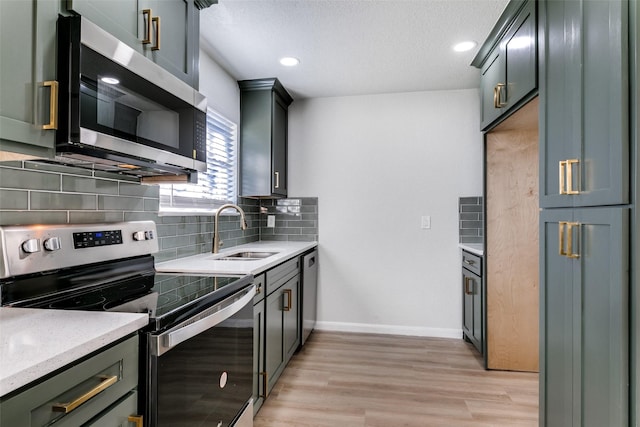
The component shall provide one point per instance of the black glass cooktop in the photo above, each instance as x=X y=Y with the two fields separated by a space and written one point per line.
x=130 y=285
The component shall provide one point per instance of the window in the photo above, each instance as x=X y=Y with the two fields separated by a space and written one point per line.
x=217 y=185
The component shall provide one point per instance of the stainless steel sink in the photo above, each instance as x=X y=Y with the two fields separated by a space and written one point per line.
x=246 y=256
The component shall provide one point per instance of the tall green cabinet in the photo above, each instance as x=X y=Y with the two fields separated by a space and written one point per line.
x=587 y=237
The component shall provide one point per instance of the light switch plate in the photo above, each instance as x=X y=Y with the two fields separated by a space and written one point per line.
x=271 y=221
x=426 y=222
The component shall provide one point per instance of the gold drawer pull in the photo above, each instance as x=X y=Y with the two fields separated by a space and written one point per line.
x=287 y=307
x=105 y=383
x=147 y=33
x=497 y=96
x=156 y=19
x=265 y=376
x=467 y=288
x=136 y=419
x=566 y=249
x=565 y=177
x=53 y=105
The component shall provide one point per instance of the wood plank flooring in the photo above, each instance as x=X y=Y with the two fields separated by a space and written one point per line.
x=364 y=380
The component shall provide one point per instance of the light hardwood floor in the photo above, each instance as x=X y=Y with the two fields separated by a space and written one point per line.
x=354 y=380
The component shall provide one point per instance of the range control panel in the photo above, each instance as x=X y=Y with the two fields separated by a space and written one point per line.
x=90 y=239
x=39 y=248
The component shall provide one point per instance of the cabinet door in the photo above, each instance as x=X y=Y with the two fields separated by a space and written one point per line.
x=492 y=89
x=173 y=36
x=585 y=114
x=118 y=17
x=258 y=356
x=274 y=348
x=472 y=307
x=291 y=317
x=519 y=50
x=279 y=147
x=585 y=317
x=121 y=415
x=176 y=33
x=27 y=64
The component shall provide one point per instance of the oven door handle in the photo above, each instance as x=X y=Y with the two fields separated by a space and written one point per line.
x=207 y=319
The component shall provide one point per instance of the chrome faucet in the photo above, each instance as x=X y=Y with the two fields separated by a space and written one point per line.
x=216 y=230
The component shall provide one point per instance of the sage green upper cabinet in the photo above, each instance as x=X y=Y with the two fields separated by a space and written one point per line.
x=508 y=63
x=584 y=330
x=28 y=87
x=584 y=119
x=264 y=107
x=166 y=31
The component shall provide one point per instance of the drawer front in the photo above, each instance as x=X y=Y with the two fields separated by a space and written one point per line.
x=277 y=276
x=261 y=290
x=105 y=377
x=118 y=416
x=472 y=262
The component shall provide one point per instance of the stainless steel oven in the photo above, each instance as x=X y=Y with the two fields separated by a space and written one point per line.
x=196 y=361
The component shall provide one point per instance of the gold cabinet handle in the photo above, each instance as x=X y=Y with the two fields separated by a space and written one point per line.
x=467 y=286
x=497 y=96
x=565 y=177
x=105 y=383
x=569 y=166
x=258 y=288
x=562 y=168
x=287 y=307
x=566 y=246
x=147 y=33
x=156 y=19
x=264 y=385
x=53 y=105
x=136 y=419
x=277 y=180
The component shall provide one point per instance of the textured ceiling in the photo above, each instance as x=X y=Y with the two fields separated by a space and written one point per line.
x=350 y=47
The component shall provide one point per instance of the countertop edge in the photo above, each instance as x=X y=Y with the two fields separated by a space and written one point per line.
x=474 y=248
x=74 y=332
x=194 y=264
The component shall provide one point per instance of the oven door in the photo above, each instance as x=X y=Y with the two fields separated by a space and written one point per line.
x=200 y=371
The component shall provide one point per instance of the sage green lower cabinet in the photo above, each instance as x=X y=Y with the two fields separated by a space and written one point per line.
x=584 y=308
x=28 y=83
x=473 y=300
x=282 y=335
x=259 y=390
x=277 y=323
x=109 y=377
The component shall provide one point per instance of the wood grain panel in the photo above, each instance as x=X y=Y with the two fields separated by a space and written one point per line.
x=358 y=380
x=512 y=242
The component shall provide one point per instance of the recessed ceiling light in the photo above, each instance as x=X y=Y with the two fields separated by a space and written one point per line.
x=464 y=46
x=110 y=80
x=289 y=61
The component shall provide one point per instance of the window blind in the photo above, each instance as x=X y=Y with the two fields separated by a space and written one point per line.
x=217 y=185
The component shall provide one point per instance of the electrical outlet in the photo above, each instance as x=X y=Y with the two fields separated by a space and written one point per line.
x=271 y=221
x=426 y=222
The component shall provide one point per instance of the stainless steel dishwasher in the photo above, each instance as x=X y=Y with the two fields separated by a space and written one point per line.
x=309 y=293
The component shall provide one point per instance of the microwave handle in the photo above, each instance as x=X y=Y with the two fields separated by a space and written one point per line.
x=220 y=312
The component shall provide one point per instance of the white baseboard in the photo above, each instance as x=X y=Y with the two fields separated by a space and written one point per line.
x=389 y=329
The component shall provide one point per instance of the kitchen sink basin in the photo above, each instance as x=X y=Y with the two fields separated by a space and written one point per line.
x=246 y=256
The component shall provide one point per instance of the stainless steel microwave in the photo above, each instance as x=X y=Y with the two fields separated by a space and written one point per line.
x=120 y=111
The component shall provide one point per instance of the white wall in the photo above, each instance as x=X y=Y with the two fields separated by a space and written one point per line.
x=378 y=163
x=221 y=90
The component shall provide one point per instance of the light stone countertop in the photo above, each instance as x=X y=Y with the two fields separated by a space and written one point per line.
x=474 y=248
x=207 y=263
x=35 y=342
